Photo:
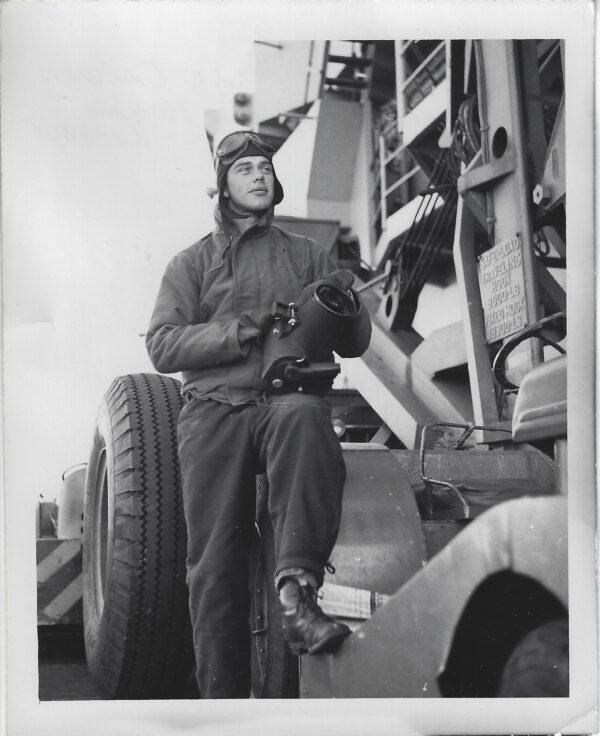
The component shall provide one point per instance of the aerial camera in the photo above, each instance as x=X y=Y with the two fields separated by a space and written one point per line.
x=297 y=349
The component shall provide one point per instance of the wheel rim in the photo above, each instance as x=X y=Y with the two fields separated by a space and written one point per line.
x=102 y=534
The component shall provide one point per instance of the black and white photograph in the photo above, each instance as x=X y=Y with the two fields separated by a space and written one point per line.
x=290 y=443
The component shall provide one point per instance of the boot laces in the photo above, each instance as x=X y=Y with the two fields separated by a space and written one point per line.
x=305 y=593
x=307 y=599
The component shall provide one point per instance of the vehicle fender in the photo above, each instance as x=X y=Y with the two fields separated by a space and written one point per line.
x=380 y=544
x=402 y=648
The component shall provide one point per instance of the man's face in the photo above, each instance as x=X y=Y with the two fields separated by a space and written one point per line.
x=250 y=184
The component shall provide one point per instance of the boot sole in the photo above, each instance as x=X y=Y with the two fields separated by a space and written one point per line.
x=327 y=644
x=298 y=649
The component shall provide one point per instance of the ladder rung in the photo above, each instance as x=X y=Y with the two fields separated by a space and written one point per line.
x=342 y=82
x=358 y=61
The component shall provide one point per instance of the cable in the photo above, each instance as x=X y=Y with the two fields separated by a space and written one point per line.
x=484 y=130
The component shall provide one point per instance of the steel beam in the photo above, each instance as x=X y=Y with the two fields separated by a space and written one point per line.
x=502 y=114
x=483 y=394
x=533 y=112
x=485 y=175
x=552 y=292
x=399 y=390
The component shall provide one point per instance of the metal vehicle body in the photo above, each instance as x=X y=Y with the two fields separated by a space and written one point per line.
x=438 y=167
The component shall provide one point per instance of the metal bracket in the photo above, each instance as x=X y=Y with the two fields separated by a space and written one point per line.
x=382 y=435
x=468 y=430
x=486 y=174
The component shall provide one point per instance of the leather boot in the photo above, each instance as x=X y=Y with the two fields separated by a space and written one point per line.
x=305 y=627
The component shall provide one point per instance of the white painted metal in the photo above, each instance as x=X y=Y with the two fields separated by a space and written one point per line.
x=421 y=116
x=59 y=557
x=65 y=600
x=400 y=391
x=70 y=505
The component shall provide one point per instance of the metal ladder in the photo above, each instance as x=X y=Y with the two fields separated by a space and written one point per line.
x=361 y=68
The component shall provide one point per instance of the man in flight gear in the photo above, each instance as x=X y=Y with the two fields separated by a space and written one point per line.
x=213 y=307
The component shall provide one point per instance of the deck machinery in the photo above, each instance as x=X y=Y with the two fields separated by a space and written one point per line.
x=461 y=148
x=437 y=172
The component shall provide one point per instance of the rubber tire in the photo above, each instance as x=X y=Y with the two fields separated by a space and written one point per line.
x=274 y=670
x=137 y=627
x=539 y=665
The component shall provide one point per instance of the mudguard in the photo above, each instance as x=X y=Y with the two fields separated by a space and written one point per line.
x=380 y=544
x=402 y=649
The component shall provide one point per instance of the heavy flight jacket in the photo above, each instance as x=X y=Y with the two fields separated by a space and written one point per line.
x=205 y=289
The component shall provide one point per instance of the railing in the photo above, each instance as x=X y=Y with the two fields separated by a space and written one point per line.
x=382 y=190
x=324 y=67
x=428 y=74
x=394 y=169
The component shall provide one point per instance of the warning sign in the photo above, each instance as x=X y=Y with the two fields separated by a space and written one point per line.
x=502 y=287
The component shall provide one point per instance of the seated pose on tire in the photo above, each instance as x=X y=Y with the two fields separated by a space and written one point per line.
x=213 y=307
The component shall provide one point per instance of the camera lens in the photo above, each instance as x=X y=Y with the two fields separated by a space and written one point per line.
x=336 y=300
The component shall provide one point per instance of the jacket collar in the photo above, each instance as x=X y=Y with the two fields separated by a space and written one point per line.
x=226 y=233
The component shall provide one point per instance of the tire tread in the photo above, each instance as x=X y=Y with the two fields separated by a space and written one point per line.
x=146 y=650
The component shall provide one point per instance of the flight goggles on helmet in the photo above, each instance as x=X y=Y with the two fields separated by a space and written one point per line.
x=235 y=144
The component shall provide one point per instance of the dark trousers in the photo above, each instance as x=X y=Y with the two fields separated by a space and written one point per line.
x=221 y=449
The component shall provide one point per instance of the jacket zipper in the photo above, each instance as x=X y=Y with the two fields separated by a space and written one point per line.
x=233 y=252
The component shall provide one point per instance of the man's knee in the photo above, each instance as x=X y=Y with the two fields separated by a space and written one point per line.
x=302 y=411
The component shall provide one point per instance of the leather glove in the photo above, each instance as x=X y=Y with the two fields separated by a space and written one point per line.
x=254 y=324
x=341 y=278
